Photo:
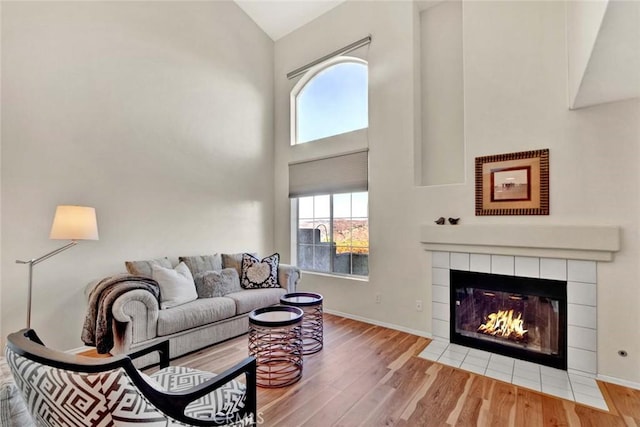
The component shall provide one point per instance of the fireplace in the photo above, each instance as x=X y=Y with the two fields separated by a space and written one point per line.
x=521 y=317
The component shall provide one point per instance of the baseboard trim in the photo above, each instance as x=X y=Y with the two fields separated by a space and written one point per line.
x=619 y=381
x=378 y=323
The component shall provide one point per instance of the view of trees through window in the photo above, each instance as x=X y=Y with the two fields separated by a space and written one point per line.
x=333 y=233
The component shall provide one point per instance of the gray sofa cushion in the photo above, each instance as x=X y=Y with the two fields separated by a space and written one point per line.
x=211 y=284
x=256 y=298
x=195 y=313
x=234 y=261
x=202 y=263
x=143 y=268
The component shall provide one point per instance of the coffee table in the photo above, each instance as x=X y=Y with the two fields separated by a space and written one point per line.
x=275 y=340
x=312 y=328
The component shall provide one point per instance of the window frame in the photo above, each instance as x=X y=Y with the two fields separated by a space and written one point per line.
x=295 y=210
x=330 y=146
x=306 y=78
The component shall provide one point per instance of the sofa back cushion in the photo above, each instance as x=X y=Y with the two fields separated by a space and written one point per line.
x=234 y=261
x=201 y=263
x=143 y=268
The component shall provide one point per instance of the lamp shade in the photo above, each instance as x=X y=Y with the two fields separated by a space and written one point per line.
x=74 y=223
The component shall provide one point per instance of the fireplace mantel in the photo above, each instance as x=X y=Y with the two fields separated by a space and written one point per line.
x=580 y=242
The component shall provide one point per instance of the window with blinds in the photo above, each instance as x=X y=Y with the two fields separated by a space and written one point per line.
x=328 y=182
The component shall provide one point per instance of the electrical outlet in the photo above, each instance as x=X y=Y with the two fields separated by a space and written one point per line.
x=418 y=305
x=378 y=298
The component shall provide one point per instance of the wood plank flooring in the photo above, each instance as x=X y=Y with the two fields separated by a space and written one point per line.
x=368 y=375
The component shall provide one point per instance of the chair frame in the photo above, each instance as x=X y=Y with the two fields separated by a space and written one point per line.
x=26 y=343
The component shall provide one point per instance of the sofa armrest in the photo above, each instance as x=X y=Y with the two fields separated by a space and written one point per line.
x=161 y=347
x=288 y=277
x=135 y=314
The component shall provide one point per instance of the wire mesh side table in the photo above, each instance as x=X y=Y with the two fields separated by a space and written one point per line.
x=312 y=327
x=275 y=340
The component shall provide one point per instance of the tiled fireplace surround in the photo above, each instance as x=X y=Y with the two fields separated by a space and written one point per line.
x=559 y=252
x=581 y=281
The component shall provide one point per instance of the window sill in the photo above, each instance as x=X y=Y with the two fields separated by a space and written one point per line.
x=346 y=143
x=336 y=276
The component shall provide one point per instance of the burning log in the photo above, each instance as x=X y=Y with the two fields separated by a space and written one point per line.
x=504 y=324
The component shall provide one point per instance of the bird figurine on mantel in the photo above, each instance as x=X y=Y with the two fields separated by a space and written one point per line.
x=439 y=221
x=454 y=221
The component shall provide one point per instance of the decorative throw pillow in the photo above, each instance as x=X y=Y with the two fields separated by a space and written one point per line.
x=260 y=273
x=210 y=284
x=202 y=263
x=143 y=268
x=176 y=285
x=234 y=261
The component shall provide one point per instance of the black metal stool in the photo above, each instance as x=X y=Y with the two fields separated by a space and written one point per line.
x=312 y=329
x=275 y=340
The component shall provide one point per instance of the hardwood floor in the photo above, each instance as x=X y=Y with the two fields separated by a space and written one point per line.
x=368 y=375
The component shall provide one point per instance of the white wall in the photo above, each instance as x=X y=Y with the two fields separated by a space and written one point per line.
x=515 y=76
x=159 y=114
x=613 y=70
x=584 y=19
x=397 y=265
x=442 y=94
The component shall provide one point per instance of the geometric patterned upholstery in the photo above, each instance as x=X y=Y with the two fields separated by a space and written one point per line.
x=61 y=398
x=222 y=404
x=13 y=411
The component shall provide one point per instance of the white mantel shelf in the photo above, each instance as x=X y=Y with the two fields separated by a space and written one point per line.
x=582 y=242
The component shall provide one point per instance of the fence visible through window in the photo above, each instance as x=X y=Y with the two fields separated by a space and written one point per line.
x=333 y=233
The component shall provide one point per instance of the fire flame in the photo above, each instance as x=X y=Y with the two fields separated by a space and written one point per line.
x=503 y=324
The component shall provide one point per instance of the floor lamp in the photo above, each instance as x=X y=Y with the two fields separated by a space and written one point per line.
x=69 y=223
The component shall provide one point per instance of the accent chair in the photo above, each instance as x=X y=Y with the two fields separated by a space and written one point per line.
x=62 y=389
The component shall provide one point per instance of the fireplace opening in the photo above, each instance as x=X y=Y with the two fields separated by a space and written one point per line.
x=520 y=317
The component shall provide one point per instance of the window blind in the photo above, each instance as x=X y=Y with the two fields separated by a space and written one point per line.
x=342 y=51
x=338 y=174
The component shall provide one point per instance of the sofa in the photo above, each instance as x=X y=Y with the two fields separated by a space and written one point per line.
x=217 y=314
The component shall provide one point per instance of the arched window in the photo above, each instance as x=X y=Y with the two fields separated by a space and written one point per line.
x=331 y=192
x=331 y=100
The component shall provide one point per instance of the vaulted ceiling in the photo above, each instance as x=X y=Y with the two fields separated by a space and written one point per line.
x=279 y=18
x=611 y=73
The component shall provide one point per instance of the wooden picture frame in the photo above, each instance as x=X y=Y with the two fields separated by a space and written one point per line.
x=513 y=183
